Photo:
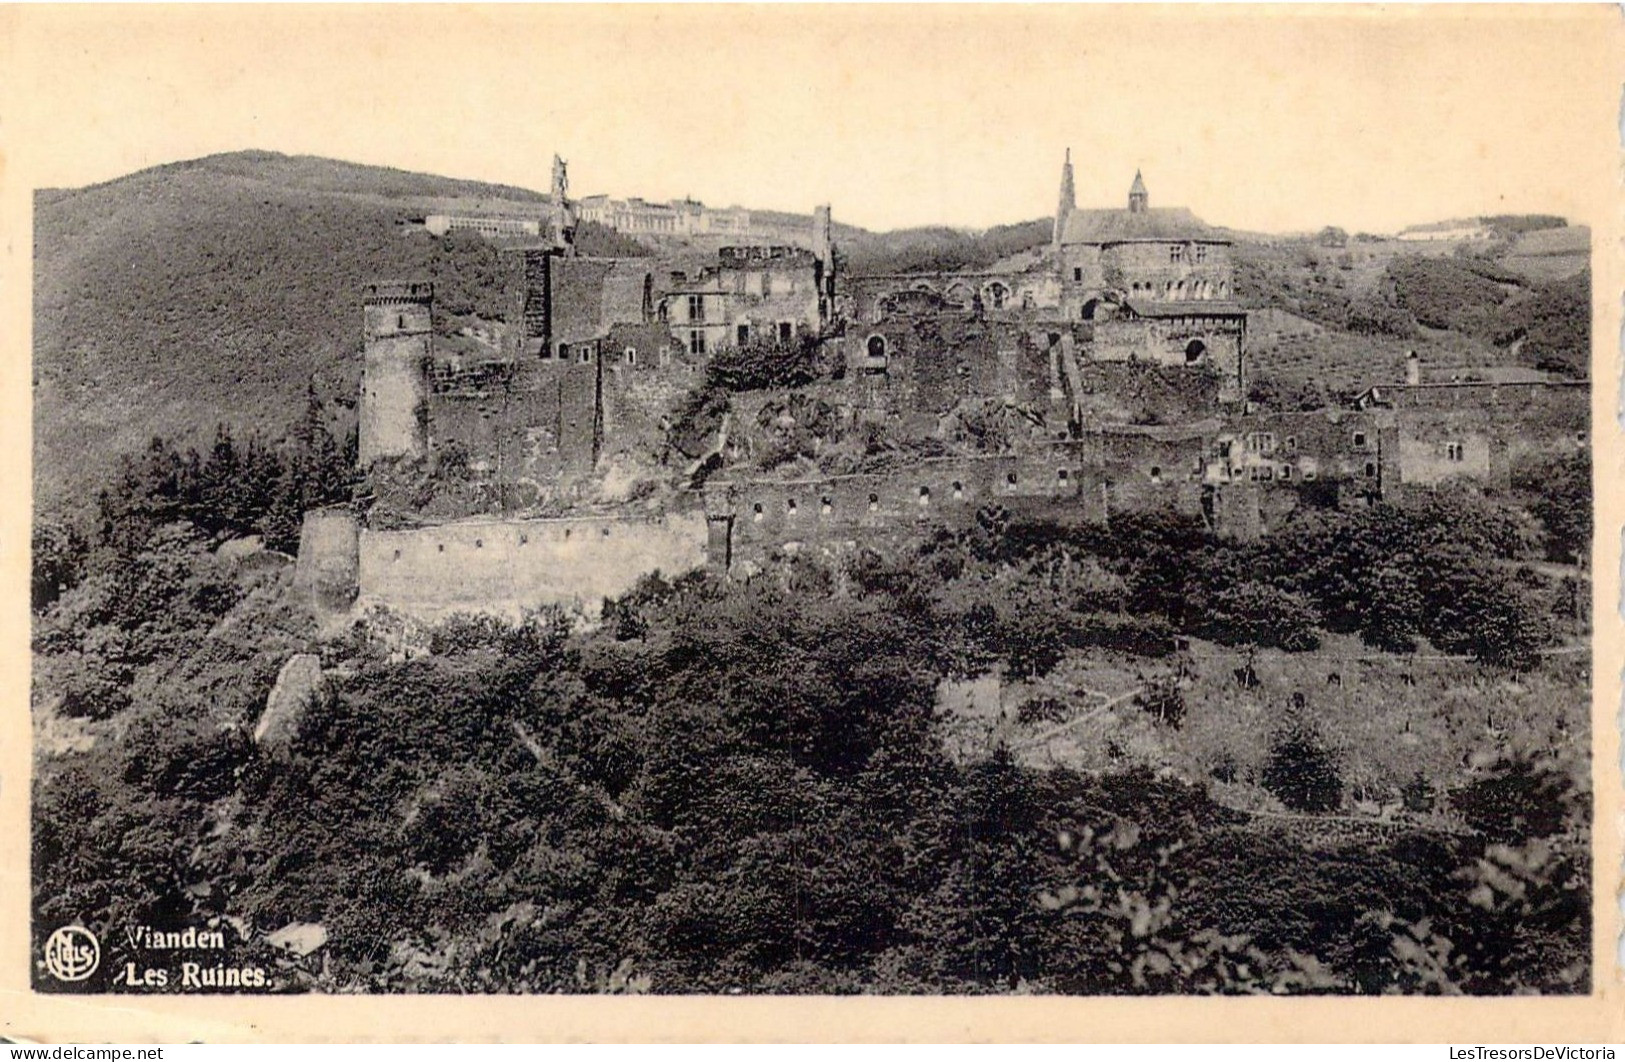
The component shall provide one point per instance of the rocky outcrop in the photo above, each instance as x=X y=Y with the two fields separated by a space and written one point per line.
x=297 y=686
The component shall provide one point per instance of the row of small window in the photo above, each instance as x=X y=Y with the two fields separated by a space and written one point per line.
x=1268 y=473
x=1196 y=289
x=1263 y=442
x=585 y=352
x=1178 y=253
x=827 y=504
x=479 y=543
x=751 y=284
x=697 y=341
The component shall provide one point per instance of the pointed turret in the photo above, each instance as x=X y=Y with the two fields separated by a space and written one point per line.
x=1138 y=198
x=1068 y=202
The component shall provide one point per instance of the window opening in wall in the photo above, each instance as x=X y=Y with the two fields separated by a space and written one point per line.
x=1453 y=451
x=606 y=532
x=1370 y=469
x=743 y=334
x=1010 y=479
x=1201 y=252
x=696 y=342
x=1359 y=439
x=631 y=355
x=756 y=512
x=874 y=502
x=440 y=548
x=696 y=307
x=586 y=355
x=1077 y=273
x=959 y=489
x=827 y=504
x=567 y=532
x=479 y=543
x=1291 y=444
x=876 y=347
x=1156 y=473
x=786 y=331
x=789 y=505
x=1286 y=471
x=1176 y=253
x=523 y=539
x=1061 y=474
x=397 y=554
x=1194 y=351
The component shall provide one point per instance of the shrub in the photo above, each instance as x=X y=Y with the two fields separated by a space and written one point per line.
x=1260 y=614
x=1301 y=771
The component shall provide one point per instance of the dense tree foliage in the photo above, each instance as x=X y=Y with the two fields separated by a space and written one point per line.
x=746 y=786
x=938 y=249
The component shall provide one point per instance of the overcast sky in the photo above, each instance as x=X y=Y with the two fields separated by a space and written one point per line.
x=897 y=116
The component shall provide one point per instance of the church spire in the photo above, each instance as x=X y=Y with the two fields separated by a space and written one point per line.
x=1138 y=197
x=1068 y=202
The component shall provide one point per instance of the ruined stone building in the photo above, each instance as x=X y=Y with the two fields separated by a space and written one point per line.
x=1137 y=284
x=1100 y=374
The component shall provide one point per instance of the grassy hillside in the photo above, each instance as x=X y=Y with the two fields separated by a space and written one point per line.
x=213 y=291
x=1345 y=316
x=314 y=174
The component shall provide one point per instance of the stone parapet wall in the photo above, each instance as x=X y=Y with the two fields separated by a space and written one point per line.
x=504 y=567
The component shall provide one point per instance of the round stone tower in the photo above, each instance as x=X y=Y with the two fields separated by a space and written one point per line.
x=395 y=372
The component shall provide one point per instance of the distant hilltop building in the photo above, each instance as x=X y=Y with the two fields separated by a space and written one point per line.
x=1447 y=230
x=680 y=217
x=489 y=227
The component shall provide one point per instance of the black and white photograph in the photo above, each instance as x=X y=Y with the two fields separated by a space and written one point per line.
x=789 y=501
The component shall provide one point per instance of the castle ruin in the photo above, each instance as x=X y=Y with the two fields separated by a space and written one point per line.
x=1103 y=373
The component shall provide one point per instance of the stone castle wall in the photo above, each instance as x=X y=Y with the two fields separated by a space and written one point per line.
x=507 y=566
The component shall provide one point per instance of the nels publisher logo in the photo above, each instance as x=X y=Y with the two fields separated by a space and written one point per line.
x=72 y=953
